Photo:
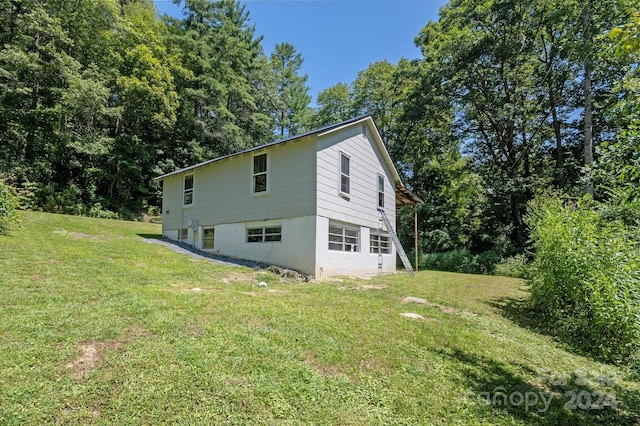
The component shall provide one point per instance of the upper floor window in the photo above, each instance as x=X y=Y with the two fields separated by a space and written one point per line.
x=345 y=174
x=187 y=199
x=381 y=191
x=259 y=173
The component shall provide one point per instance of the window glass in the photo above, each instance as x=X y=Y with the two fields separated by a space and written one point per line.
x=188 y=190
x=345 y=174
x=208 y=238
x=343 y=239
x=261 y=235
x=260 y=173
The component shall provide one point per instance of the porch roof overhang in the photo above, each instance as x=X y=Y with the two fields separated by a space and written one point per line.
x=405 y=198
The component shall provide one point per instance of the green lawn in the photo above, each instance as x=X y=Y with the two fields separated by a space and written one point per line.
x=97 y=326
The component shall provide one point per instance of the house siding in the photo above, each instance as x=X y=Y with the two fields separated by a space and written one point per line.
x=303 y=197
x=361 y=207
x=366 y=164
x=222 y=190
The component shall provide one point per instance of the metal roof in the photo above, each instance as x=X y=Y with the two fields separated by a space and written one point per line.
x=404 y=197
x=320 y=130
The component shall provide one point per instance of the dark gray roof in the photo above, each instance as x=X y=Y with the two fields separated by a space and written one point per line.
x=267 y=145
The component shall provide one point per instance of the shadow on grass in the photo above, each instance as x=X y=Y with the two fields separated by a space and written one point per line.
x=496 y=392
x=150 y=236
x=628 y=401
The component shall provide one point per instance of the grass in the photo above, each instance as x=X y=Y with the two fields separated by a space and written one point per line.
x=99 y=327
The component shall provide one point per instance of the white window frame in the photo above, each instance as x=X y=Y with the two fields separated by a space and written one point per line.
x=343 y=238
x=188 y=191
x=205 y=238
x=342 y=174
x=264 y=234
x=379 y=242
x=381 y=185
x=264 y=173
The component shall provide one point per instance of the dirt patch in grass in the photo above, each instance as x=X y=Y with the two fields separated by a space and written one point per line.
x=325 y=370
x=443 y=308
x=90 y=357
x=77 y=235
x=137 y=332
x=194 y=330
x=239 y=276
x=365 y=287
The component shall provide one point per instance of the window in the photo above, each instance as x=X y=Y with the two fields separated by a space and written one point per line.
x=208 y=235
x=183 y=234
x=345 y=174
x=343 y=239
x=379 y=243
x=259 y=173
x=188 y=190
x=381 y=191
x=266 y=234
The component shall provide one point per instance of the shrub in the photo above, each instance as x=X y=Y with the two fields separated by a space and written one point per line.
x=460 y=260
x=514 y=266
x=8 y=205
x=585 y=276
x=98 y=211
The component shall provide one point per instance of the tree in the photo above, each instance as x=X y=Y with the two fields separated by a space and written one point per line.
x=334 y=105
x=292 y=113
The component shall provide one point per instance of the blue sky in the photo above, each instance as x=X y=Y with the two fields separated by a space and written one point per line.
x=338 y=38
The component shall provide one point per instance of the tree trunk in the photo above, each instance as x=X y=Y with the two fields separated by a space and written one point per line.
x=558 y=136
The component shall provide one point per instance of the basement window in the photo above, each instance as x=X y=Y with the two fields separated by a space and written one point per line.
x=208 y=238
x=379 y=243
x=343 y=238
x=264 y=235
x=183 y=234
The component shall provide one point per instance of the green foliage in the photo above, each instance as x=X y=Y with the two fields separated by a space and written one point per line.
x=586 y=276
x=292 y=114
x=460 y=260
x=120 y=336
x=8 y=206
x=99 y=212
x=514 y=266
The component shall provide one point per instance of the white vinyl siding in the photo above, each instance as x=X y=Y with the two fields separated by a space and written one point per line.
x=264 y=234
x=187 y=188
x=343 y=238
x=366 y=164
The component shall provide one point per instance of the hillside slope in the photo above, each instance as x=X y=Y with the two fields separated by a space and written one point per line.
x=99 y=327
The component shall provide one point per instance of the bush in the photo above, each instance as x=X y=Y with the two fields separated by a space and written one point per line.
x=514 y=266
x=585 y=276
x=460 y=260
x=98 y=211
x=8 y=205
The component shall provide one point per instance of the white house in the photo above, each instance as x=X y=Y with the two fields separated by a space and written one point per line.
x=309 y=202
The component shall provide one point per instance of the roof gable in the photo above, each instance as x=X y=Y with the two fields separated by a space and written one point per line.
x=404 y=197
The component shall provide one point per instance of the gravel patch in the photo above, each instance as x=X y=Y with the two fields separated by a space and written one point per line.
x=186 y=249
